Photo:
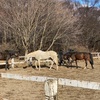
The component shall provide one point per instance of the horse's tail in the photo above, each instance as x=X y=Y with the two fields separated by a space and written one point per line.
x=56 y=59
x=91 y=60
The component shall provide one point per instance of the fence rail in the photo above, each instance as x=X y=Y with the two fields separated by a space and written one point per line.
x=96 y=55
x=61 y=81
x=12 y=62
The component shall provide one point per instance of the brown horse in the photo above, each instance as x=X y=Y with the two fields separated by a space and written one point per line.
x=79 y=56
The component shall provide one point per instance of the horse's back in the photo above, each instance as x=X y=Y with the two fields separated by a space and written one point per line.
x=77 y=55
x=81 y=55
x=39 y=54
x=34 y=53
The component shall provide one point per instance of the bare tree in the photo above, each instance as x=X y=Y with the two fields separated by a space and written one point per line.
x=36 y=24
x=89 y=13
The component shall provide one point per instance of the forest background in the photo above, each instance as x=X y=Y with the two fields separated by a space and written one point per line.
x=50 y=25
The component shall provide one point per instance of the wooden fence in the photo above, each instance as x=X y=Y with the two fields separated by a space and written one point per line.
x=96 y=55
x=61 y=81
x=12 y=62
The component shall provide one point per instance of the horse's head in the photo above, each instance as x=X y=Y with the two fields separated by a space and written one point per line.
x=16 y=54
x=67 y=55
x=27 y=59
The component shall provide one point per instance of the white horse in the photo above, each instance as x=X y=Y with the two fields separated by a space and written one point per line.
x=40 y=55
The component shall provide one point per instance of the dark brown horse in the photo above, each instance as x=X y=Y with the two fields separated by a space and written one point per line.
x=79 y=56
x=8 y=54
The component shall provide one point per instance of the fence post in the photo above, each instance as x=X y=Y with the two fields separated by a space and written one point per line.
x=98 y=55
x=50 y=87
x=12 y=63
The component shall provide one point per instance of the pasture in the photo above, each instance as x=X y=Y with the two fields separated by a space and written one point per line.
x=27 y=90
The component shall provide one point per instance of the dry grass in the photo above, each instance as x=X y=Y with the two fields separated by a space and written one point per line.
x=27 y=90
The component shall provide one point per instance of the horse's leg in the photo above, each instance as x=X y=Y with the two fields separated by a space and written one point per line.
x=85 y=64
x=68 y=60
x=72 y=61
x=30 y=62
x=39 y=64
x=92 y=66
x=91 y=61
x=76 y=64
x=7 y=63
x=51 y=64
x=36 y=62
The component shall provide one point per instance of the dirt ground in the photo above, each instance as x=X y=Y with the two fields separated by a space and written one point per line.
x=11 y=89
